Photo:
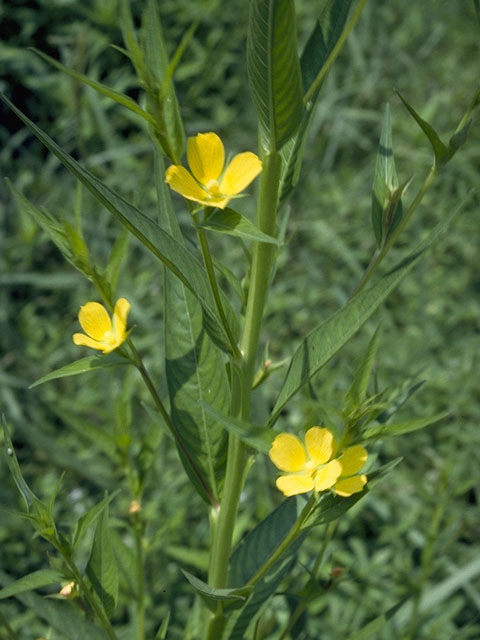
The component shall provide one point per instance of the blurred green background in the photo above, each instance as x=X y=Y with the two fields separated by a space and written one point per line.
x=422 y=525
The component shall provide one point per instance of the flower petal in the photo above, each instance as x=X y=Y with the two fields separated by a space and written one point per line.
x=94 y=320
x=295 y=484
x=288 y=453
x=82 y=340
x=182 y=181
x=241 y=171
x=320 y=445
x=346 y=487
x=206 y=156
x=353 y=459
x=120 y=313
x=327 y=476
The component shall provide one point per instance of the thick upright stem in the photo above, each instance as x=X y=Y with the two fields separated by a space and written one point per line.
x=263 y=255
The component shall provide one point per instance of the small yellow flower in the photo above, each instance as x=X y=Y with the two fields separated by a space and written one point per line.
x=96 y=323
x=207 y=185
x=312 y=466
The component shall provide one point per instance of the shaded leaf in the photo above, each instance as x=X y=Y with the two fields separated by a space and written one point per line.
x=212 y=597
x=319 y=47
x=374 y=627
x=35 y=580
x=195 y=373
x=101 y=569
x=162 y=632
x=232 y=223
x=255 y=436
x=330 y=336
x=90 y=363
x=274 y=70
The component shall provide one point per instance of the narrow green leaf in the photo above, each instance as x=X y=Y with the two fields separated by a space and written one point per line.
x=458 y=139
x=274 y=70
x=65 y=617
x=441 y=152
x=12 y=461
x=84 y=522
x=180 y=261
x=255 y=436
x=35 y=580
x=162 y=100
x=212 y=596
x=120 y=98
x=90 y=363
x=398 y=428
x=130 y=39
x=162 y=632
x=358 y=389
x=330 y=336
x=101 y=569
x=232 y=223
x=331 y=507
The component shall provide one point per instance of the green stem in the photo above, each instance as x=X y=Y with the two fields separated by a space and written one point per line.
x=263 y=255
x=334 y=53
x=4 y=623
x=380 y=254
x=207 y=261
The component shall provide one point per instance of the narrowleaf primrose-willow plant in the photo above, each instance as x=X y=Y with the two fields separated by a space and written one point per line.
x=213 y=342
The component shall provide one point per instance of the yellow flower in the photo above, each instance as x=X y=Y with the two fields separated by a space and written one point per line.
x=207 y=185
x=313 y=466
x=96 y=323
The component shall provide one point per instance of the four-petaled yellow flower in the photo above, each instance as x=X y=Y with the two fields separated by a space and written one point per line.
x=207 y=185
x=313 y=466
x=96 y=323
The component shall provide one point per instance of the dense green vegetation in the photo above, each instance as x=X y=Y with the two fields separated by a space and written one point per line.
x=417 y=534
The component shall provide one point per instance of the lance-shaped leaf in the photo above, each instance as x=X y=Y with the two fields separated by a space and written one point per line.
x=274 y=70
x=330 y=336
x=376 y=432
x=120 y=98
x=101 y=570
x=161 y=96
x=173 y=255
x=255 y=436
x=318 y=50
x=358 y=389
x=90 y=363
x=441 y=152
x=195 y=372
x=384 y=217
x=35 y=580
x=228 y=597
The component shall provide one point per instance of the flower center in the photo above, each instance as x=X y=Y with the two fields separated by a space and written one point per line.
x=108 y=337
x=213 y=188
